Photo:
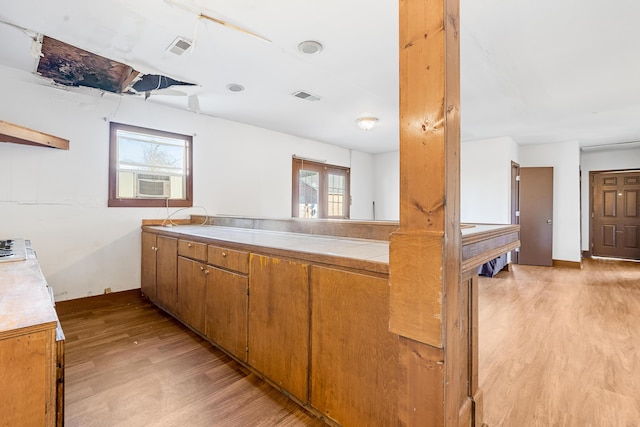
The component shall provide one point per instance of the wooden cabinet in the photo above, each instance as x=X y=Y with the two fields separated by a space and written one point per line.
x=192 y=278
x=159 y=269
x=279 y=322
x=31 y=352
x=354 y=358
x=226 y=311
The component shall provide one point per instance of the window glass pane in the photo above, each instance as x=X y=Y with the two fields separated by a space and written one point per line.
x=309 y=186
x=336 y=193
x=151 y=166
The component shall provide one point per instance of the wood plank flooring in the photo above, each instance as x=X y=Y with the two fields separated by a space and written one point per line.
x=130 y=364
x=558 y=347
x=561 y=347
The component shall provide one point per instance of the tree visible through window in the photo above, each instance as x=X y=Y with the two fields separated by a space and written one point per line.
x=149 y=168
x=319 y=190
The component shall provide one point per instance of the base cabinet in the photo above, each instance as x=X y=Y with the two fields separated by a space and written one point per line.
x=279 y=322
x=226 y=301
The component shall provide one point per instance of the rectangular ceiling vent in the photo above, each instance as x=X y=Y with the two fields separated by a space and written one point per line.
x=306 y=95
x=179 y=46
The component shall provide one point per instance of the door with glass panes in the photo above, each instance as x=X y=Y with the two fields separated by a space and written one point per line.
x=319 y=190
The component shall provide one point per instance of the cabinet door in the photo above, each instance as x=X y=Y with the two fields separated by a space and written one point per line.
x=148 y=270
x=354 y=356
x=226 y=311
x=191 y=289
x=166 y=272
x=279 y=322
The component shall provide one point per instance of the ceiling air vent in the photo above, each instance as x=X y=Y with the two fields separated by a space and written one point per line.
x=306 y=95
x=179 y=46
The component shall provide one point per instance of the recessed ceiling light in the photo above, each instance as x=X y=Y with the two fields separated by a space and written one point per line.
x=234 y=87
x=310 y=47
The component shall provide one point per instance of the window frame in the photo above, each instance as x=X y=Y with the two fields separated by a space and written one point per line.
x=324 y=170
x=115 y=201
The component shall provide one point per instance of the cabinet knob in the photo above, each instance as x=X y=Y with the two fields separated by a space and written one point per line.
x=224 y=253
x=189 y=245
x=206 y=272
x=201 y=268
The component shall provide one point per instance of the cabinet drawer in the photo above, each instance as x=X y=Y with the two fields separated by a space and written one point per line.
x=193 y=250
x=229 y=259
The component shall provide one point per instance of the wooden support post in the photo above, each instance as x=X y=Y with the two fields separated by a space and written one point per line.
x=425 y=252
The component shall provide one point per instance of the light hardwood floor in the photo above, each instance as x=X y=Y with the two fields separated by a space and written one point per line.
x=561 y=347
x=558 y=347
x=129 y=364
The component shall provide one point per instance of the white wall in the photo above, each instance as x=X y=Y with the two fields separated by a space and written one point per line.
x=601 y=161
x=58 y=199
x=565 y=159
x=362 y=185
x=485 y=165
x=386 y=184
x=485 y=180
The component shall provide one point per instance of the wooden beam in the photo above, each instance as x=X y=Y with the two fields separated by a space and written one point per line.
x=425 y=253
x=21 y=135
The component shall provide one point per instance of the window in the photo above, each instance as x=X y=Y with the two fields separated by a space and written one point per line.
x=149 y=168
x=319 y=190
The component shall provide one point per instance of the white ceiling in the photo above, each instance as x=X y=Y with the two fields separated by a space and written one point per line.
x=539 y=71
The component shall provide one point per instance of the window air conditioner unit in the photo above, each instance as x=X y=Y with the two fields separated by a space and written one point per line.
x=153 y=186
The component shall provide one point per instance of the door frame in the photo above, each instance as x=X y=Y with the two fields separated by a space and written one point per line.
x=515 y=203
x=592 y=189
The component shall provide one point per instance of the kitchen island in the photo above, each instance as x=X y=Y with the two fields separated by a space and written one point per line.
x=307 y=310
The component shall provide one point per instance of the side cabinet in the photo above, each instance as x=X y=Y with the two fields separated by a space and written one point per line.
x=279 y=322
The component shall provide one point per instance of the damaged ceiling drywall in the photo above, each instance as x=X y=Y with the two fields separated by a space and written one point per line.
x=71 y=66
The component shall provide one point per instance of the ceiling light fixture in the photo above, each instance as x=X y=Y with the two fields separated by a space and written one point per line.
x=234 y=87
x=310 y=47
x=367 y=123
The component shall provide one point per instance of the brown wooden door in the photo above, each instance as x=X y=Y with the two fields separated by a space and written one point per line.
x=166 y=272
x=536 y=216
x=616 y=214
x=148 y=269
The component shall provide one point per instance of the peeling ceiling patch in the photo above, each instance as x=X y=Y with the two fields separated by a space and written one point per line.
x=70 y=66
